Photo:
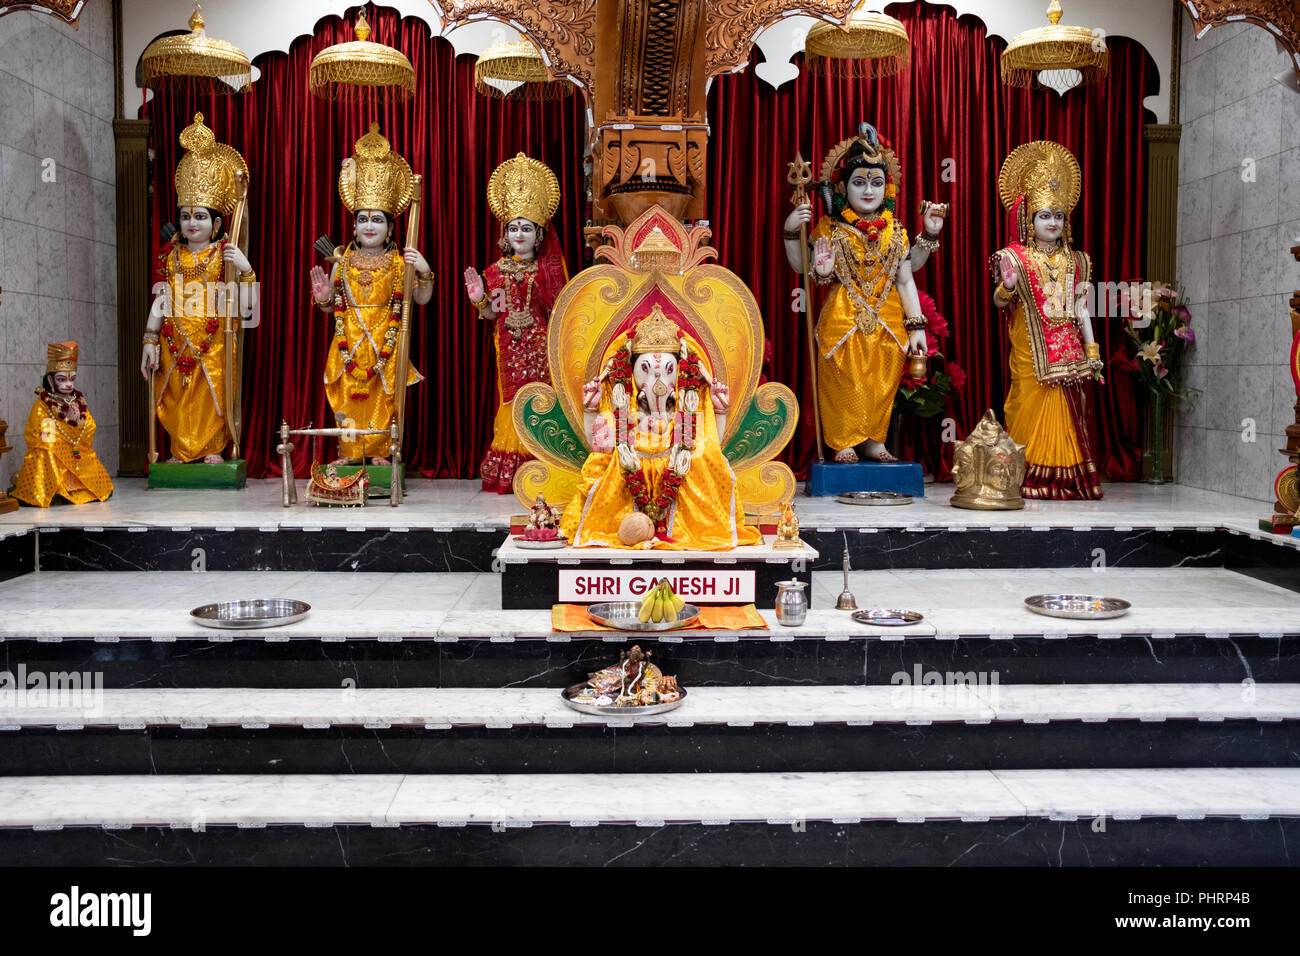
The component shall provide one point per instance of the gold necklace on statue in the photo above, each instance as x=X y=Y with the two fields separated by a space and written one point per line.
x=1050 y=265
x=203 y=261
x=367 y=264
x=517 y=271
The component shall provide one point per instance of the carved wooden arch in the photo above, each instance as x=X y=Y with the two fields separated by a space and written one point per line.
x=67 y=10
x=566 y=29
x=1282 y=15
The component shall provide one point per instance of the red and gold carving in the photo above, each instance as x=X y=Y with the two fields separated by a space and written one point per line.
x=1281 y=14
x=66 y=10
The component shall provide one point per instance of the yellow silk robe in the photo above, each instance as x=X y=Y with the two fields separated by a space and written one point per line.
x=1037 y=415
x=366 y=402
x=860 y=357
x=60 y=461
x=708 y=514
x=190 y=406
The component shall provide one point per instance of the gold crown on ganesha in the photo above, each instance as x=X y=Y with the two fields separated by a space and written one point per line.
x=61 y=357
x=206 y=174
x=656 y=333
x=523 y=188
x=1046 y=174
x=375 y=177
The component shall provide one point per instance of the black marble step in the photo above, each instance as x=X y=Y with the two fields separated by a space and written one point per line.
x=1042 y=842
x=337 y=549
x=702 y=748
x=697 y=662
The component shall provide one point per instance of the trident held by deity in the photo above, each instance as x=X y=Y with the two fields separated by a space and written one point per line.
x=799 y=177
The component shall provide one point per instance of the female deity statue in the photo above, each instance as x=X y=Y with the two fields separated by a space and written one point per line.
x=1042 y=293
x=516 y=294
x=653 y=418
x=185 y=326
x=872 y=321
x=60 y=436
x=363 y=292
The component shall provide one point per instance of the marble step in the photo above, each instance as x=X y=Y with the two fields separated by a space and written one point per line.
x=1179 y=816
x=771 y=729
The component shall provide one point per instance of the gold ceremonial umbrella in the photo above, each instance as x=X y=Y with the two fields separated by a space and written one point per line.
x=1059 y=53
x=515 y=70
x=348 y=71
x=869 y=44
x=197 y=57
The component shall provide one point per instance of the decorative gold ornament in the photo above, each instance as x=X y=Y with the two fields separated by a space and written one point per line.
x=656 y=333
x=787 y=530
x=1055 y=48
x=61 y=357
x=361 y=69
x=868 y=44
x=1045 y=173
x=206 y=174
x=375 y=177
x=988 y=469
x=196 y=56
x=68 y=11
x=520 y=69
x=523 y=188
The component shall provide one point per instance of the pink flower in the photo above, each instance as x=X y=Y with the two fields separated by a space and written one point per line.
x=1185 y=333
x=958 y=376
x=1161 y=372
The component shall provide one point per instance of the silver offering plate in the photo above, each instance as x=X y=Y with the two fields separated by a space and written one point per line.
x=522 y=542
x=873 y=498
x=623 y=615
x=271 y=612
x=887 y=617
x=1080 y=607
x=612 y=710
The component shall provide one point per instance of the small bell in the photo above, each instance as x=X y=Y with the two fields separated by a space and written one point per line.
x=846 y=601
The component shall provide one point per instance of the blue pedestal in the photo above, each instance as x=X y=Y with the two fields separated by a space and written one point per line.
x=826 y=478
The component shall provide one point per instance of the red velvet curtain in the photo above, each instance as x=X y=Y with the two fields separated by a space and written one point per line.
x=293 y=143
x=952 y=122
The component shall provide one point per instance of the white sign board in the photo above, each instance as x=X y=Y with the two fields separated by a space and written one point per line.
x=594 y=585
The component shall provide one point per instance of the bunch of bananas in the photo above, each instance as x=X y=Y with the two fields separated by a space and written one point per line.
x=660 y=604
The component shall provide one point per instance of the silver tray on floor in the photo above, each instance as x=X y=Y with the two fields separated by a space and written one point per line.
x=623 y=616
x=1079 y=607
x=887 y=617
x=268 y=612
x=610 y=710
x=522 y=542
x=876 y=498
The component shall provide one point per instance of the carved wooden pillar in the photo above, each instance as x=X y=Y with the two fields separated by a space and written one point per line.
x=131 y=138
x=1162 y=201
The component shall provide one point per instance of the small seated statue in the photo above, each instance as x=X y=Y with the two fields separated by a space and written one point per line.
x=60 y=435
x=543 y=522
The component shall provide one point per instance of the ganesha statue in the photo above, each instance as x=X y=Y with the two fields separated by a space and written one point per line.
x=656 y=431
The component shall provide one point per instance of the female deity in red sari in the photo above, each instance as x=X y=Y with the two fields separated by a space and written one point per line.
x=1042 y=292
x=516 y=294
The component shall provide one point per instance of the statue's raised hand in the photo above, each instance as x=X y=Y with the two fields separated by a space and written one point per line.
x=721 y=396
x=801 y=215
x=602 y=436
x=591 y=395
x=474 y=285
x=320 y=284
x=823 y=257
x=933 y=215
x=1010 y=274
x=232 y=255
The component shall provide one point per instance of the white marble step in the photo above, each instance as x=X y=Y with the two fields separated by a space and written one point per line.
x=467 y=606
x=458 y=504
x=200 y=801
x=502 y=708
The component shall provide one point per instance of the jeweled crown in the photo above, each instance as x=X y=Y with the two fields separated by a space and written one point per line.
x=61 y=357
x=375 y=177
x=206 y=174
x=656 y=333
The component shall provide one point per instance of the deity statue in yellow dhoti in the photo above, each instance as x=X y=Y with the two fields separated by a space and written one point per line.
x=872 y=321
x=516 y=294
x=60 y=437
x=653 y=419
x=363 y=292
x=186 y=328
x=1042 y=292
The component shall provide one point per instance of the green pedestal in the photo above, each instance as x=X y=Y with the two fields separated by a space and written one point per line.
x=380 y=476
x=227 y=476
